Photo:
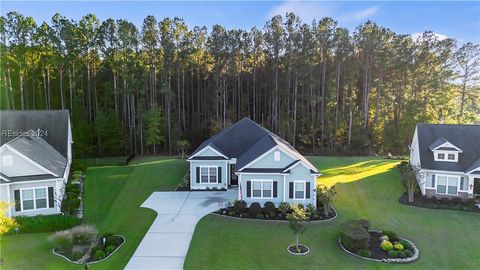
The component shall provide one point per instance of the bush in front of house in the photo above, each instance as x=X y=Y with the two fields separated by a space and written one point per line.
x=254 y=210
x=43 y=223
x=284 y=208
x=269 y=209
x=240 y=206
x=406 y=245
x=354 y=236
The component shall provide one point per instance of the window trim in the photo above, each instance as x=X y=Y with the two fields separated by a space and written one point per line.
x=304 y=189
x=448 y=181
x=208 y=174
x=261 y=188
x=445 y=154
x=34 y=199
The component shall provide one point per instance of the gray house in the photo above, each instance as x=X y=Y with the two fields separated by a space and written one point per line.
x=35 y=159
x=448 y=158
x=263 y=166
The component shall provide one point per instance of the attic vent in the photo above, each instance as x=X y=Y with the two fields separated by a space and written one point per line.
x=276 y=156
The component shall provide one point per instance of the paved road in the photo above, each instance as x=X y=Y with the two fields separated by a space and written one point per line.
x=166 y=243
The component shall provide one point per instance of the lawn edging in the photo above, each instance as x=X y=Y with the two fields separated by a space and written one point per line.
x=109 y=255
x=278 y=220
x=412 y=259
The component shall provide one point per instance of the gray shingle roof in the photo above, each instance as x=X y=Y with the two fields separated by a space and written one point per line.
x=465 y=137
x=246 y=140
x=38 y=150
x=53 y=122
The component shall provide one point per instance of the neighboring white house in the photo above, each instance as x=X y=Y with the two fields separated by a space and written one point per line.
x=262 y=165
x=448 y=158
x=35 y=159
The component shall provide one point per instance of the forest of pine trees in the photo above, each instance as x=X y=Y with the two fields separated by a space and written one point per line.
x=164 y=86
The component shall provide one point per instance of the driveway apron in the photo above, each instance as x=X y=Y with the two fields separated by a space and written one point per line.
x=166 y=243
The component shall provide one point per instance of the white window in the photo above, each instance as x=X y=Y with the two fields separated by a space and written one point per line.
x=299 y=190
x=441 y=156
x=32 y=199
x=7 y=161
x=451 y=156
x=262 y=189
x=447 y=184
x=276 y=155
x=208 y=174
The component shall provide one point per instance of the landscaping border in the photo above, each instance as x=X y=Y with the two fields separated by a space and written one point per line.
x=402 y=202
x=412 y=259
x=299 y=254
x=60 y=255
x=279 y=220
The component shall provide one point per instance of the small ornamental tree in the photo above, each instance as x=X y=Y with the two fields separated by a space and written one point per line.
x=6 y=222
x=410 y=174
x=298 y=221
x=182 y=147
x=325 y=197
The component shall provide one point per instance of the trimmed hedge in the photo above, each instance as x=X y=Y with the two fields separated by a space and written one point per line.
x=42 y=223
x=254 y=210
x=354 y=235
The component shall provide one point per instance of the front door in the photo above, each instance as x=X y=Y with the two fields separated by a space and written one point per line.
x=476 y=186
x=233 y=176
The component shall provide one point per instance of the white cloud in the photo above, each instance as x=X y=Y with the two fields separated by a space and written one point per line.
x=365 y=14
x=419 y=36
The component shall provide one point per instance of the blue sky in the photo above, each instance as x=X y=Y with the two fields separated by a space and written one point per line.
x=460 y=20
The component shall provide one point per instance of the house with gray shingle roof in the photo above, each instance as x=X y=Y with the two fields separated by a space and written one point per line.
x=448 y=159
x=35 y=159
x=263 y=166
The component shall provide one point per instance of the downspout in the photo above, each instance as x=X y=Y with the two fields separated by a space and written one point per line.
x=8 y=198
x=284 y=181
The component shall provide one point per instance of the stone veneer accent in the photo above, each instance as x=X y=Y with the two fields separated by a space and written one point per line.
x=462 y=194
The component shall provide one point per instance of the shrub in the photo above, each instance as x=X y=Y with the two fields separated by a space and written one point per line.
x=269 y=209
x=240 y=206
x=408 y=253
x=384 y=238
x=99 y=254
x=106 y=235
x=386 y=245
x=260 y=216
x=254 y=210
x=406 y=245
x=365 y=253
x=113 y=240
x=62 y=239
x=46 y=223
x=312 y=211
x=73 y=189
x=76 y=255
x=353 y=236
x=84 y=234
x=398 y=246
x=284 y=208
x=97 y=247
x=392 y=236
x=394 y=253
x=110 y=249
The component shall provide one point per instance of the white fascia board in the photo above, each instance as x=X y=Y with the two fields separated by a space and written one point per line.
x=208 y=147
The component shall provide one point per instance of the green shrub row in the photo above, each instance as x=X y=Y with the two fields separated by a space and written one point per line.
x=354 y=235
x=42 y=223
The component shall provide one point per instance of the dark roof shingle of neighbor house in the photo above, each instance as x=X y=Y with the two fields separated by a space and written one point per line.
x=465 y=137
x=246 y=140
x=53 y=122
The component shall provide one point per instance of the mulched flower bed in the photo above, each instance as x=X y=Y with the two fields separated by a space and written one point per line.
x=443 y=203
x=298 y=249
x=97 y=250
x=230 y=211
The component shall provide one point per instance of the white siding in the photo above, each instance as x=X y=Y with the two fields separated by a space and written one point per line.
x=56 y=184
x=21 y=166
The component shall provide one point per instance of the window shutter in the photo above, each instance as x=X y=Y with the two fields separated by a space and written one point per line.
x=219 y=174
x=275 y=187
x=198 y=174
x=51 y=202
x=462 y=183
x=307 y=191
x=290 y=190
x=249 y=189
x=433 y=180
x=16 y=195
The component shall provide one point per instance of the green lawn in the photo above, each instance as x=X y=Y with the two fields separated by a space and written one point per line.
x=368 y=188
x=113 y=198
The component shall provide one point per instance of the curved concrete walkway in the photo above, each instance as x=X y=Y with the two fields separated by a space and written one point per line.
x=166 y=243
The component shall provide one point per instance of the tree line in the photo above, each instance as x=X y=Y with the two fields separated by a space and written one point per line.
x=165 y=87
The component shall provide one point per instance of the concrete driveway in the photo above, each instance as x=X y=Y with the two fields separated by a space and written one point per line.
x=166 y=243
